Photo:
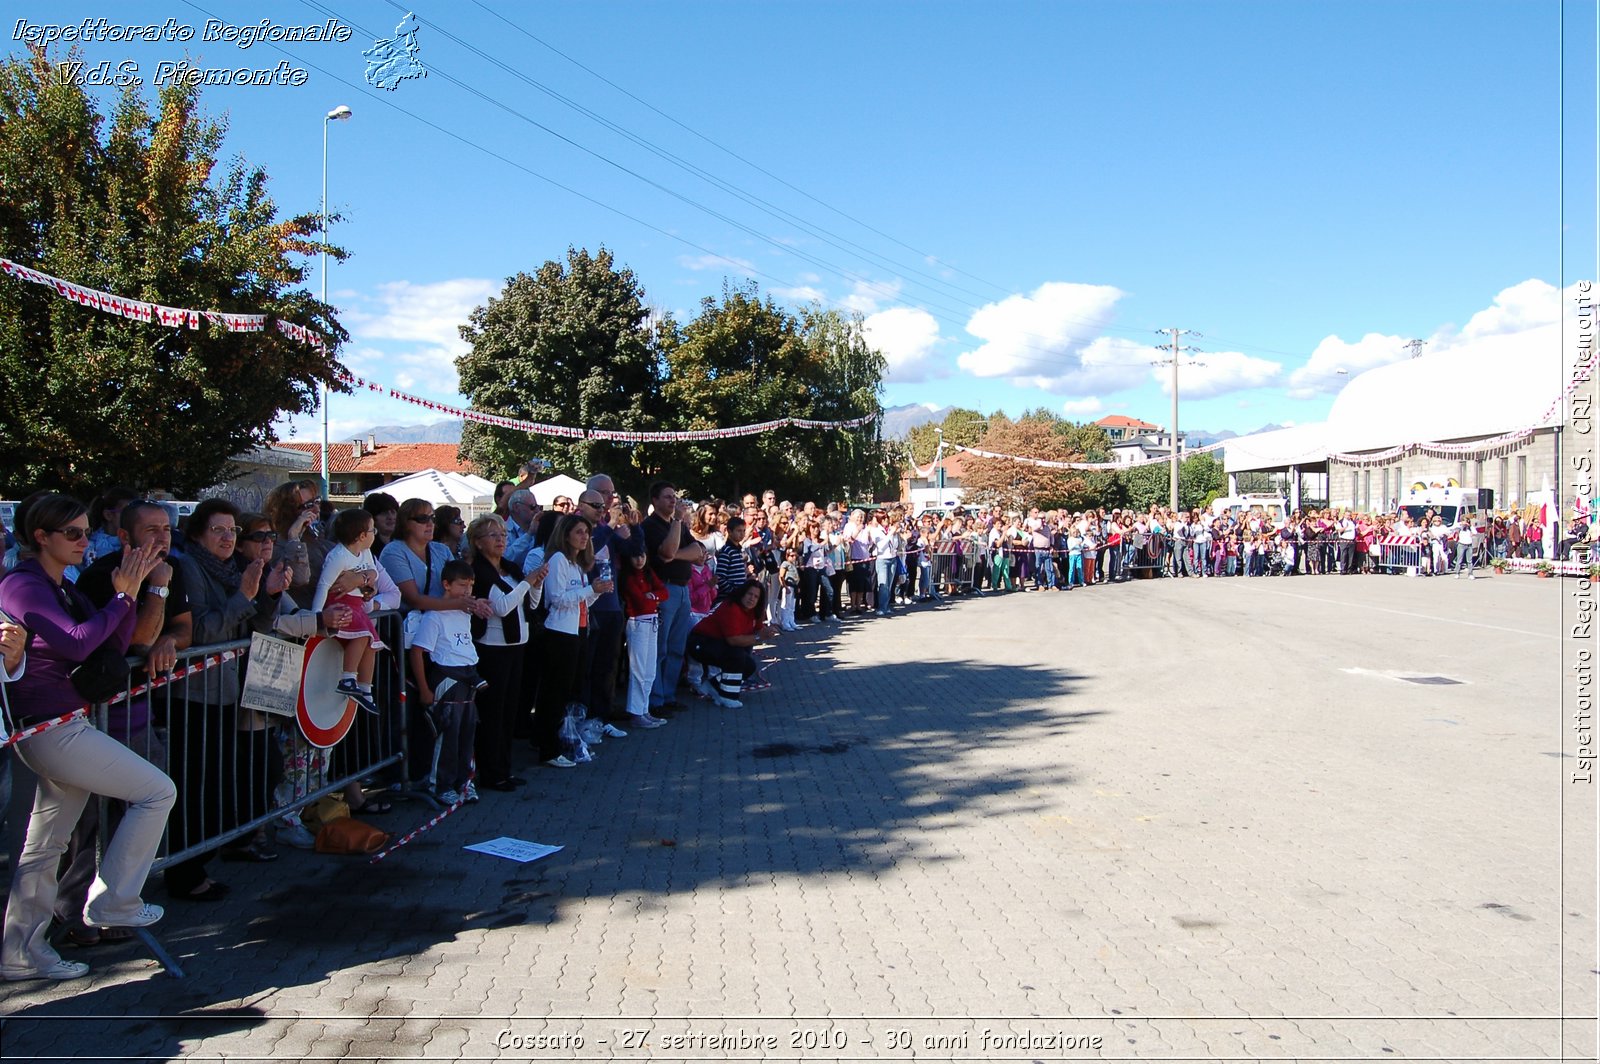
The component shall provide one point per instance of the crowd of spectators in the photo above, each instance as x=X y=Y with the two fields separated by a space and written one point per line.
x=514 y=627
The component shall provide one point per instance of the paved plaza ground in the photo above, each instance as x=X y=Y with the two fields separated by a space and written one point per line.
x=1167 y=820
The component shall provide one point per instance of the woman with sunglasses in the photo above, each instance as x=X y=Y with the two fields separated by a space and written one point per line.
x=501 y=642
x=449 y=529
x=293 y=508
x=415 y=562
x=73 y=760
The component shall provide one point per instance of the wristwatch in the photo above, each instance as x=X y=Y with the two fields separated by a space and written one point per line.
x=159 y=592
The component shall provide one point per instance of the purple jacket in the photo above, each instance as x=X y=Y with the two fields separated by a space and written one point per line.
x=56 y=643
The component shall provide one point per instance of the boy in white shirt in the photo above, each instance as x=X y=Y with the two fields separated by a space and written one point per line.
x=444 y=663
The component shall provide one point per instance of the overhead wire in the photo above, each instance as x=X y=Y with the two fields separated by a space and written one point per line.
x=1075 y=364
x=789 y=249
x=927 y=256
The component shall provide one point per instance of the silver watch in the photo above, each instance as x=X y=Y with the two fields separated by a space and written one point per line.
x=159 y=592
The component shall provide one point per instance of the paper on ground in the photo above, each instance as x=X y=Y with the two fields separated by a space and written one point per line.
x=514 y=849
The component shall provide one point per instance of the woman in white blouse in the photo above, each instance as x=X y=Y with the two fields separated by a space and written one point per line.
x=567 y=596
x=500 y=639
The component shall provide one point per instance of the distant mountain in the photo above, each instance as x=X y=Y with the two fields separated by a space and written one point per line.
x=1205 y=437
x=433 y=432
x=900 y=420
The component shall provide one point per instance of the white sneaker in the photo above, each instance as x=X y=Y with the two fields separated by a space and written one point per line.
x=562 y=761
x=448 y=797
x=147 y=915
x=59 y=970
x=726 y=703
x=704 y=689
x=611 y=731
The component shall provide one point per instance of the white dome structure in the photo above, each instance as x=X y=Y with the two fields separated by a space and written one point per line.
x=1482 y=388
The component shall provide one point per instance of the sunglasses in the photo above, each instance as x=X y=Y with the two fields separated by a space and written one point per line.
x=73 y=534
x=423 y=519
x=262 y=537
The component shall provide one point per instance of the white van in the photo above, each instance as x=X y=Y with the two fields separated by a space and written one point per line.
x=1273 y=506
x=1448 y=503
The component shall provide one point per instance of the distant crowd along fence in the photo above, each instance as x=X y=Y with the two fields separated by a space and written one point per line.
x=961 y=562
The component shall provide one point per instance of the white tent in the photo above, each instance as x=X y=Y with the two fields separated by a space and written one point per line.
x=441 y=489
x=546 y=491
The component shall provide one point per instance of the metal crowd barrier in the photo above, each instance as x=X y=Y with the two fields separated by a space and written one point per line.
x=1398 y=558
x=238 y=770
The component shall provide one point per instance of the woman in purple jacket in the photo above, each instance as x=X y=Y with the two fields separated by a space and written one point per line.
x=73 y=759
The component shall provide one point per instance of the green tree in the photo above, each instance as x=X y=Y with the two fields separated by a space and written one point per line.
x=960 y=425
x=137 y=205
x=745 y=360
x=1200 y=479
x=573 y=344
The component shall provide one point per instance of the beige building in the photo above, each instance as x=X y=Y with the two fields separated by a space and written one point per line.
x=1481 y=414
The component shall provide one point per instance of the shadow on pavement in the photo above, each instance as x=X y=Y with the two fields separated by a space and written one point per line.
x=836 y=769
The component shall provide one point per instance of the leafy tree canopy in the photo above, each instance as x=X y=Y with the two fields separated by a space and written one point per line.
x=744 y=359
x=138 y=205
x=960 y=425
x=572 y=344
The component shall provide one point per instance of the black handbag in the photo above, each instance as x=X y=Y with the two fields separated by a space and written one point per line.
x=102 y=675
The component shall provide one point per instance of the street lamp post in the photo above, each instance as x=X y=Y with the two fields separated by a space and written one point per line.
x=338 y=114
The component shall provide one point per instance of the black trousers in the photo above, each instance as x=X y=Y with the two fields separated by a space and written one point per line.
x=501 y=668
x=558 y=685
x=597 y=677
x=709 y=650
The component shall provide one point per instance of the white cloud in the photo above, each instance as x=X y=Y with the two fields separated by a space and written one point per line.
x=1528 y=305
x=804 y=293
x=1089 y=404
x=907 y=336
x=716 y=262
x=1321 y=373
x=1216 y=373
x=426 y=313
x=1521 y=308
x=867 y=296
x=1050 y=339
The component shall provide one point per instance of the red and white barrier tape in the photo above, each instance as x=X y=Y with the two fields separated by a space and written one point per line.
x=45 y=725
x=460 y=801
x=209 y=662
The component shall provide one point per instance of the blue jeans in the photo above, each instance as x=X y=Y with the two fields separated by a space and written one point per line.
x=671 y=637
x=888 y=569
x=1075 y=570
x=1043 y=572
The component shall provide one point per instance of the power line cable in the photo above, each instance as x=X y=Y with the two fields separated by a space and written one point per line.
x=814 y=229
x=1068 y=363
x=927 y=256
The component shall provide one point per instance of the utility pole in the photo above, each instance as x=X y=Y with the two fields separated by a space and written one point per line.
x=1415 y=347
x=1177 y=352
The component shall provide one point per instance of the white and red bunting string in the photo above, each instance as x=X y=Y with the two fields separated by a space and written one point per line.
x=1100 y=467
x=155 y=313
x=537 y=428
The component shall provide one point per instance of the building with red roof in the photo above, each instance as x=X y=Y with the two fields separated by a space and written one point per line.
x=360 y=466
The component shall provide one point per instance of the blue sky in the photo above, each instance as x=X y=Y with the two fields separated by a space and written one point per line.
x=1023 y=192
